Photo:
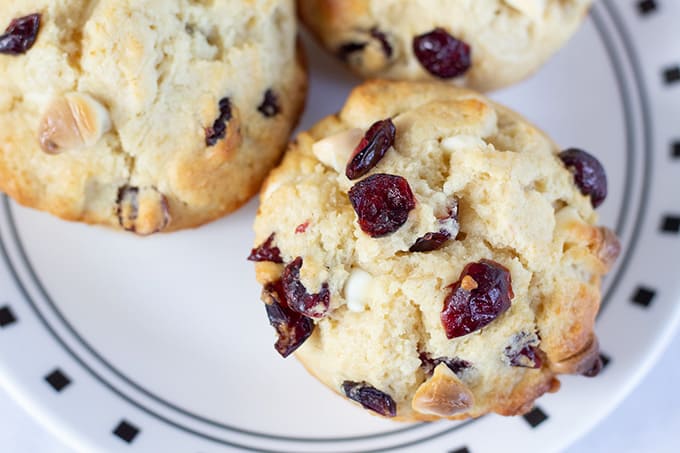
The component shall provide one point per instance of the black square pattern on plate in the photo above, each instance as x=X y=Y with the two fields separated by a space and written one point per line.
x=535 y=417
x=461 y=450
x=605 y=360
x=643 y=296
x=675 y=150
x=7 y=316
x=58 y=380
x=671 y=224
x=126 y=431
x=647 y=6
x=672 y=74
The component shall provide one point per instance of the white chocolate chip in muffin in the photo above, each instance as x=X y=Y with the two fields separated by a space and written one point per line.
x=71 y=122
x=442 y=395
x=335 y=151
x=461 y=142
x=358 y=289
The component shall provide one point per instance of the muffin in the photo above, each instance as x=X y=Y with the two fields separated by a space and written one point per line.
x=481 y=44
x=146 y=116
x=428 y=253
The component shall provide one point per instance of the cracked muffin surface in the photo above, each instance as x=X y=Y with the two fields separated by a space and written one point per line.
x=148 y=115
x=481 y=44
x=428 y=253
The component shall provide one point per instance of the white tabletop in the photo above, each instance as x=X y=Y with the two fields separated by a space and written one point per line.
x=648 y=420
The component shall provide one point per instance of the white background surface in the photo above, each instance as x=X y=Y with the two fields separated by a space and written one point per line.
x=647 y=421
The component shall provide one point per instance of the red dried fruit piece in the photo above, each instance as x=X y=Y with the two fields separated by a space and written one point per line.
x=436 y=240
x=482 y=293
x=382 y=203
x=349 y=48
x=270 y=105
x=292 y=328
x=523 y=351
x=441 y=54
x=218 y=130
x=454 y=364
x=431 y=242
x=589 y=174
x=370 y=398
x=20 y=35
x=266 y=252
x=371 y=149
x=302 y=228
x=311 y=305
x=384 y=42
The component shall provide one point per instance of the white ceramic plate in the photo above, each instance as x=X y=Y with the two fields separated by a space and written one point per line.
x=162 y=345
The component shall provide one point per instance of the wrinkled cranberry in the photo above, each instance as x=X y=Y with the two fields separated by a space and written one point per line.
x=441 y=54
x=589 y=174
x=370 y=398
x=266 y=252
x=292 y=328
x=371 y=149
x=347 y=49
x=20 y=36
x=382 y=203
x=270 y=105
x=431 y=242
x=436 y=240
x=218 y=130
x=311 y=305
x=384 y=42
x=455 y=364
x=595 y=369
x=523 y=351
x=302 y=228
x=482 y=293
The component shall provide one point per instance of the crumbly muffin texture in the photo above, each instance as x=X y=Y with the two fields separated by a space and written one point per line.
x=482 y=44
x=147 y=115
x=366 y=310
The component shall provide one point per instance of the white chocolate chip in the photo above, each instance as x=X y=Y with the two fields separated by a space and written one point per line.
x=358 y=290
x=335 y=151
x=534 y=9
x=443 y=395
x=73 y=121
x=270 y=188
x=461 y=142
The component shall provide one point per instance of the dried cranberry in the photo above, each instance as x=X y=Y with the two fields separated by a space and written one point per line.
x=384 y=42
x=350 y=48
x=371 y=149
x=21 y=34
x=482 y=293
x=370 y=398
x=311 y=305
x=270 y=105
x=430 y=242
x=523 y=351
x=218 y=130
x=589 y=174
x=595 y=368
x=455 y=364
x=436 y=240
x=382 y=203
x=292 y=328
x=441 y=54
x=302 y=228
x=266 y=252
